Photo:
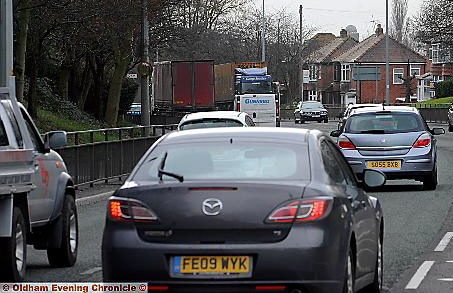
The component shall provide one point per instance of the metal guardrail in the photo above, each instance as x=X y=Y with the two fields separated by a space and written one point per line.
x=100 y=155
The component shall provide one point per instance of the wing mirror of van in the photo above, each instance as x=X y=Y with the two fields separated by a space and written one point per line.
x=55 y=139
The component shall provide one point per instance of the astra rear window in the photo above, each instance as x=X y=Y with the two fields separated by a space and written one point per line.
x=384 y=123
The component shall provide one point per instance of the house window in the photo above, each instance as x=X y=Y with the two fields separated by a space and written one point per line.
x=313 y=72
x=415 y=71
x=346 y=72
x=337 y=72
x=312 y=96
x=435 y=53
x=398 y=75
x=437 y=78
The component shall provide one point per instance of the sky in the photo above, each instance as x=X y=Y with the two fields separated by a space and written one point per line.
x=333 y=15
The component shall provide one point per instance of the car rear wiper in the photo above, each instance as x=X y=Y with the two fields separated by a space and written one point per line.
x=373 y=131
x=161 y=172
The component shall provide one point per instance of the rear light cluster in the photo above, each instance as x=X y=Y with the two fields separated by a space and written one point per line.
x=346 y=144
x=300 y=211
x=423 y=141
x=130 y=210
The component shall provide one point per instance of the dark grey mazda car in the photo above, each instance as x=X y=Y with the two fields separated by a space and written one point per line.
x=245 y=210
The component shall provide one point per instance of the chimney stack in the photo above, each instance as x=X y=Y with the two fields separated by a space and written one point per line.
x=379 y=30
x=343 y=33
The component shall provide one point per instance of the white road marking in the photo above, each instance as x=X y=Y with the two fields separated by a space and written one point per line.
x=446 y=280
x=449 y=261
x=444 y=242
x=419 y=275
x=92 y=271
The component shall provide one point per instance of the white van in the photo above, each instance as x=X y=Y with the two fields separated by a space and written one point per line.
x=263 y=108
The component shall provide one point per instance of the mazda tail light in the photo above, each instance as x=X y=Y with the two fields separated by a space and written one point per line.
x=345 y=144
x=423 y=141
x=305 y=210
x=130 y=210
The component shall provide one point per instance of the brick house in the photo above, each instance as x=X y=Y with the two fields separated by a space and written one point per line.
x=439 y=68
x=371 y=53
x=321 y=85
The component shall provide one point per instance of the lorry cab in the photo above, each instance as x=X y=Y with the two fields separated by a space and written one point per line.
x=258 y=96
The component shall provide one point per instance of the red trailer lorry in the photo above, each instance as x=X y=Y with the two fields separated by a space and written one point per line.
x=183 y=85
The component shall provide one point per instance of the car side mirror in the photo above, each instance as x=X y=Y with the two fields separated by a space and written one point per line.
x=55 y=139
x=438 y=131
x=373 y=178
x=336 y=133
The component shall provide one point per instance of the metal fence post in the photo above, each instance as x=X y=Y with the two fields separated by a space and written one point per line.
x=92 y=159
x=77 y=155
x=106 y=155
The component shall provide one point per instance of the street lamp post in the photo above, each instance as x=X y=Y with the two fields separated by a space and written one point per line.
x=263 y=37
x=144 y=74
x=387 y=62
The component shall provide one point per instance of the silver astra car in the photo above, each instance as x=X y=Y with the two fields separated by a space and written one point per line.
x=395 y=140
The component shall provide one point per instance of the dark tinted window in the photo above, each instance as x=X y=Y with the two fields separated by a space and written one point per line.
x=228 y=160
x=3 y=136
x=331 y=165
x=343 y=164
x=312 y=106
x=249 y=121
x=381 y=123
x=210 y=123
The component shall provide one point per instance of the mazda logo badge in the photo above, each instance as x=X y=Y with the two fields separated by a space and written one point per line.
x=212 y=207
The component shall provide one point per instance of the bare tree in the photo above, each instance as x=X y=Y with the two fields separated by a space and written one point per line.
x=399 y=19
x=435 y=22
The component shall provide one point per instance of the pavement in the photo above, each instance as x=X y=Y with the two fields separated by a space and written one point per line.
x=417 y=254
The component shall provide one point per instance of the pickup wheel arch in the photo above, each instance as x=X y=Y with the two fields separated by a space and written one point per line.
x=65 y=186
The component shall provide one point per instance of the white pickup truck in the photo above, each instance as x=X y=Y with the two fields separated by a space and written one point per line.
x=37 y=196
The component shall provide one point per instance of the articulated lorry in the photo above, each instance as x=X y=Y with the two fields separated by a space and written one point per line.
x=247 y=87
x=186 y=86
x=37 y=197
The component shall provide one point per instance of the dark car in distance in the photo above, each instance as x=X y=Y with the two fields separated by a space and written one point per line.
x=245 y=210
x=311 y=111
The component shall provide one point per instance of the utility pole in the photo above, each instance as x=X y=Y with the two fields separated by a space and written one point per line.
x=387 y=62
x=145 y=68
x=263 y=37
x=301 y=42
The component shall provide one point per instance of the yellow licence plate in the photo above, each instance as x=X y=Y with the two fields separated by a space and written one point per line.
x=211 y=264
x=384 y=165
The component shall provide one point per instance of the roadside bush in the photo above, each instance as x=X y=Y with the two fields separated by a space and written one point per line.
x=50 y=100
x=444 y=88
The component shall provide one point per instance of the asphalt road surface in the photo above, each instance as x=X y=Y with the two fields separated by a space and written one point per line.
x=416 y=247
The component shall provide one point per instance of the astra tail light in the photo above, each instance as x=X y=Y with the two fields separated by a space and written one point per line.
x=128 y=210
x=423 y=141
x=300 y=211
x=346 y=144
